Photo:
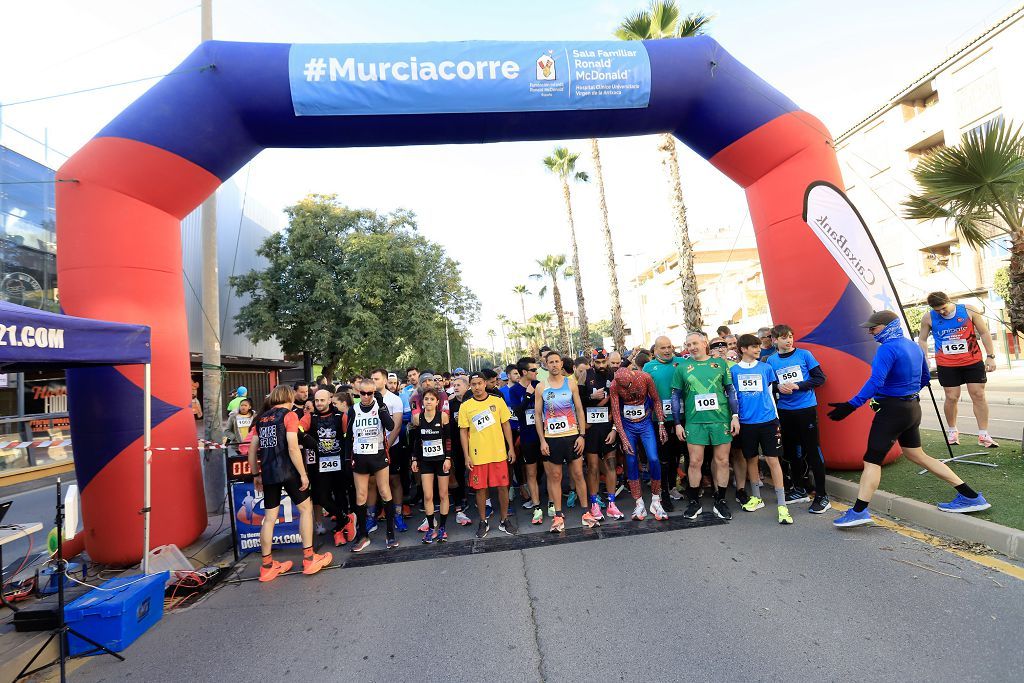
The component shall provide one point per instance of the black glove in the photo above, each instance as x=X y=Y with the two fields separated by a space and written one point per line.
x=841 y=411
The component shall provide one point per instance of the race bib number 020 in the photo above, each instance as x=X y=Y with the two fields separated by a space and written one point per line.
x=706 y=402
x=954 y=347
x=750 y=383
x=556 y=425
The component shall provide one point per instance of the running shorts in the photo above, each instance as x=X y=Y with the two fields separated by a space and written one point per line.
x=964 y=374
x=763 y=436
x=595 y=437
x=272 y=493
x=711 y=434
x=488 y=475
x=371 y=463
x=529 y=452
x=435 y=466
x=895 y=420
x=561 y=449
x=399 y=457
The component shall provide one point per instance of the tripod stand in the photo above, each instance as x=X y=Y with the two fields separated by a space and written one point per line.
x=63 y=630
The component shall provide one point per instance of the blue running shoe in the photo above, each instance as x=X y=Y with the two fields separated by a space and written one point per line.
x=489 y=508
x=964 y=504
x=371 y=524
x=571 y=500
x=400 y=523
x=851 y=518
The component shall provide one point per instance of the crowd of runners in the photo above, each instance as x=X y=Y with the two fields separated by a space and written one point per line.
x=687 y=423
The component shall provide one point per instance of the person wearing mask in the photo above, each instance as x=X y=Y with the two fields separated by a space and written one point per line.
x=899 y=371
x=277 y=463
x=662 y=369
x=639 y=417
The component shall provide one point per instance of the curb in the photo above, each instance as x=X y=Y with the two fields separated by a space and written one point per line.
x=210 y=546
x=1003 y=539
x=1001 y=401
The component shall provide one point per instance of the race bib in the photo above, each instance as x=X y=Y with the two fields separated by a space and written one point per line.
x=954 y=347
x=598 y=415
x=531 y=417
x=706 y=402
x=433 y=448
x=483 y=420
x=310 y=456
x=556 y=425
x=791 y=375
x=750 y=383
x=666 y=407
x=365 y=446
x=634 y=412
x=330 y=463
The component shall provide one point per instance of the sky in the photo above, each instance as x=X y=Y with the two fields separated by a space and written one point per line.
x=494 y=206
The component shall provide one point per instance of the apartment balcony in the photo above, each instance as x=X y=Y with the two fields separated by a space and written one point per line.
x=924 y=130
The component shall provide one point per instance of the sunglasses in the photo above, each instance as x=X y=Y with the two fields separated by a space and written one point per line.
x=367 y=393
x=531 y=369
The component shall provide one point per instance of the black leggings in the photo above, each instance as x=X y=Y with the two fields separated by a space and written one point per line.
x=668 y=456
x=801 y=448
x=335 y=492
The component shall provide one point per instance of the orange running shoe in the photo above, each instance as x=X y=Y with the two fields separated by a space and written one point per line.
x=350 y=528
x=589 y=521
x=557 y=524
x=339 y=538
x=274 y=570
x=314 y=564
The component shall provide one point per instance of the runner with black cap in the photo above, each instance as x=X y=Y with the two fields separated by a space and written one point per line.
x=898 y=372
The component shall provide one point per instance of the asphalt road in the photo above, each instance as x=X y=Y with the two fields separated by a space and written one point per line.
x=1005 y=421
x=746 y=601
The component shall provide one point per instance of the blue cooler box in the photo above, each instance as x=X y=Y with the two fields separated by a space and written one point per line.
x=116 y=615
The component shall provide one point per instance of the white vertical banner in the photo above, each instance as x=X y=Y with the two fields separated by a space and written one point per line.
x=837 y=223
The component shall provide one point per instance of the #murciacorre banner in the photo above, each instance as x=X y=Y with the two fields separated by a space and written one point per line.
x=837 y=223
x=470 y=77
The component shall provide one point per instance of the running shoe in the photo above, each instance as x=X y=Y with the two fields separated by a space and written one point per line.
x=639 y=512
x=339 y=538
x=529 y=504
x=753 y=503
x=538 y=516
x=489 y=508
x=274 y=570
x=462 y=519
x=350 y=527
x=392 y=543
x=820 y=505
x=508 y=526
x=784 y=516
x=551 y=509
x=666 y=504
x=400 y=524
x=361 y=544
x=674 y=493
x=482 y=528
x=311 y=565
x=589 y=521
x=693 y=510
x=985 y=441
x=657 y=510
x=557 y=524
x=440 y=535
x=595 y=512
x=571 y=501
x=964 y=504
x=423 y=526
x=613 y=511
x=851 y=518
x=797 y=495
x=371 y=525
x=721 y=509
x=428 y=537
x=953 y=437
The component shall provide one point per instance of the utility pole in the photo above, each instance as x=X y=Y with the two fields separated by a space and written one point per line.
x=447 y=344
x=213 y=467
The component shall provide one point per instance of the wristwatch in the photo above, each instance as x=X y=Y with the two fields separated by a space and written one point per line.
x=991 y=355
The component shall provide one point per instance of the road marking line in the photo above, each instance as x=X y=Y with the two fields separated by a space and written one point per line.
x=936 y=542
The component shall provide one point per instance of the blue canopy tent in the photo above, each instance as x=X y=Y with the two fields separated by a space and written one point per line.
x=31 y=340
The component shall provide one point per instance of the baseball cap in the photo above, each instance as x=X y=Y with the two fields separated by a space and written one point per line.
x=503 y=376
x=392 y=375
x=242 y=391
x=459 y=371
x=719 y=344
x=599 y=354
x=426 y=376
x=879 y=318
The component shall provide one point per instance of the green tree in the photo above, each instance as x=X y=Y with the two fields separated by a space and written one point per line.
x=662 y=20
x=979 y=186
x=1001 y=283
x=347 y=285
x=553 y=267
x=914 y=315
x=563 y=164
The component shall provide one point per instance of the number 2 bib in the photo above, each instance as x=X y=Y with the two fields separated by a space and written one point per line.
x=706 y=402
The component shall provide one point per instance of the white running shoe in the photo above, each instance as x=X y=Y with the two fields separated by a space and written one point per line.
x=640 y=512
x=674 y=493
x=657 y=510
x=462 y=519
x=953 y=437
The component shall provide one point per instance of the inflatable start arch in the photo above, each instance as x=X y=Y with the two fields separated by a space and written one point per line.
x=118 y=228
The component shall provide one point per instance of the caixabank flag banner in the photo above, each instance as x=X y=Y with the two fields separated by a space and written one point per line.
x=471 y=76
x=247 y=507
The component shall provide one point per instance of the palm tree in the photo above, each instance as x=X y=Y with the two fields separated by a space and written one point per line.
x=542 y=322
x=522 y=291
x=530 y=335
x=618 y=329
x=662 y=20
x=979 y=186
x=494 y=354
x=563 y=165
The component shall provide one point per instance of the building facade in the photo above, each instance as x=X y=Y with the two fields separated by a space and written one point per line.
x=968 y=89
x=33 y=406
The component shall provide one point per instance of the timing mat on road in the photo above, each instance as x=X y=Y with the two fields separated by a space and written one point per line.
x=498 y=542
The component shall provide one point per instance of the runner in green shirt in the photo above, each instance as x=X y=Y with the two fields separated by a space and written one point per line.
x=702 y=390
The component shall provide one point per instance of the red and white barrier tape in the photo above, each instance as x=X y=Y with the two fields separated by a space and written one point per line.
x=203 y=445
